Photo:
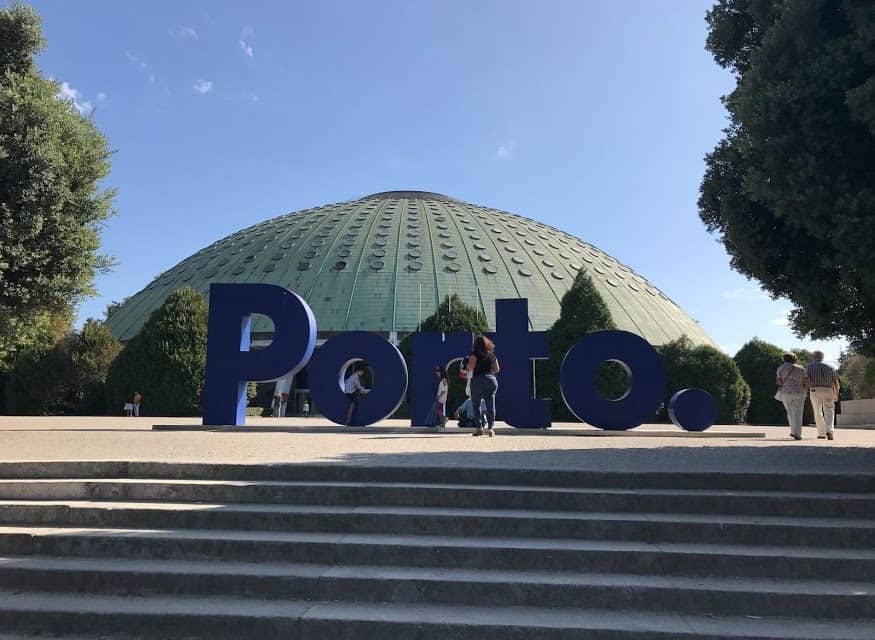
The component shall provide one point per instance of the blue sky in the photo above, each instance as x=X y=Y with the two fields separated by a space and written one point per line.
x=591 y=116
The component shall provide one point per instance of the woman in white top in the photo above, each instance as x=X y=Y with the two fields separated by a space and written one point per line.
x=793 y=386
x=442 y=391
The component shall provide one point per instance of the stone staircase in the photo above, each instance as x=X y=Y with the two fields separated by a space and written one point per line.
x=151 y=550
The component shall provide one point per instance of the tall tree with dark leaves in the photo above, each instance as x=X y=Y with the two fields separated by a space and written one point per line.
x=790 y=190
x=52 y=162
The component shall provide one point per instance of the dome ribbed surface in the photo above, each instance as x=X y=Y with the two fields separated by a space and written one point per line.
x=384 y=261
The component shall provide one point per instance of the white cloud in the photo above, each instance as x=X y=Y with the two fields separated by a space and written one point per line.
x=745 y=294
x=183 y=32
x=142 y=66
x=101 y=96
x=782 y=320
x=203 y=86
x=245 y=44
x=66 y=92
x=506 y=151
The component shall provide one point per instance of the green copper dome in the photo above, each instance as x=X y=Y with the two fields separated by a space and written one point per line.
x=383 y=262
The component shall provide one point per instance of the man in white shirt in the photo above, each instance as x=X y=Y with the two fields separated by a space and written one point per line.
x=353 y=388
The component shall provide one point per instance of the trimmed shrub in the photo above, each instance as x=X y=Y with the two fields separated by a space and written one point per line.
x=165 y=361
x=706 y=368
x=758 y=361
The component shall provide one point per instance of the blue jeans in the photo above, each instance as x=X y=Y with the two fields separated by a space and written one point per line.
x=483 y=388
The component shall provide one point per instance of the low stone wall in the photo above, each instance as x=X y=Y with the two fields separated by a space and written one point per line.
x=857 y=412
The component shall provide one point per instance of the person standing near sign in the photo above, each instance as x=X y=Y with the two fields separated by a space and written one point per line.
x=824 y=393
x=441 y=398
x=482 y=370
x=793 y=386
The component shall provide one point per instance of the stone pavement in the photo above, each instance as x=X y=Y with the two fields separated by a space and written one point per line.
x=116 y=438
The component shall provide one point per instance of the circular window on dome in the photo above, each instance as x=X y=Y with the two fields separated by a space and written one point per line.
x=558 y=275
x=311 y=254
x=620 y=275
x=324 y=234
x=529 y=242
x=517 y=260
x=564 y=255
x=237 y=271
x=453 y=267
x=349 y=242
x=553 y=245
x=495 y=229
x=503 y=239
x=317 y=243
x=278 y=256
x=379 y=253
x=464 y=220
x=537 y=252
x=485 y=257
x=521 y=234
x=286 y=245
x=413 y=234
x=340 y=265
x=295 y=236
x=383 y=234
x=414 y=253
x=415 y=265
x=385 y=225
x=269 y=267
x=248 y=258
x=303 y=265
x=447 y=245
x=587 y=259
x=442 y=226
x=225 y=260
x=548 y=263
x=600 y=270
x=651 y=292
x=187 y=277
x=470 y=228
x=474 y=236
x=576 y=249
x=510 y=249
x=413 y=243
x=260 y=232
x=451 y=255
x=526 y=273
x=575 y=266
x=490 y=269
x=379 y=243
x=344 y=253
x=634 y=286
x=413 y=224
x=444 y=234
x=612 y=282
x=479 y=247
x=376 y=265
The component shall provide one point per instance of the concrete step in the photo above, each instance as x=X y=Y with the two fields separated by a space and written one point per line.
x=542 y=554
x=430 y=585
x=835 y=482
x=536 y=498
x=224 y=617
x=646 y=527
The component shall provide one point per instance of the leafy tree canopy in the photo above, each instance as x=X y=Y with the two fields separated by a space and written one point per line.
x=791 y=188
x=165 y=361
x=859 y=372
x=52 y=160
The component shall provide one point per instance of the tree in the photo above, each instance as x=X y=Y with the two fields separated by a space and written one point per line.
x=66 y=378
x=791 y=188
x=582 y=311
x=758 y=361
x=707 y=368
x=165 y=361
x=52 y=160
x=859 y=372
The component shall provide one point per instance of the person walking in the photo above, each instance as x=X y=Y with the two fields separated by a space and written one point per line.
x=136 y=403
x=306 y=408
x=824 y=393
x=793 y=386
x=441 y=398
x=483 y=368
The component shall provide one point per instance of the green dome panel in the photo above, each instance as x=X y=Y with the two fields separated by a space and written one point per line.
x=383 y=262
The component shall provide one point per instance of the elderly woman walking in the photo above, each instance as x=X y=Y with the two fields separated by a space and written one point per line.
x=793 y=387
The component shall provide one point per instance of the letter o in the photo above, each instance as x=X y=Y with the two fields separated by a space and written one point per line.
x=647 y=380
x=333 y=357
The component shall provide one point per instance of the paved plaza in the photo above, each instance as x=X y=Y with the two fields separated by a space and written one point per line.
x=312 y=440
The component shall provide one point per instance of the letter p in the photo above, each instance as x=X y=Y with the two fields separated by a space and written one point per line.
x=230 y=363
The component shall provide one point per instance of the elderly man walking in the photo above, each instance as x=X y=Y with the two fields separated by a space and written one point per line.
x=824 y=392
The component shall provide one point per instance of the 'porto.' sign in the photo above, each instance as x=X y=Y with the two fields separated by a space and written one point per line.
x=231 y=365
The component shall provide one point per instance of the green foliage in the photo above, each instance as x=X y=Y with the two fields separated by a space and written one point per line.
x=451 y=315
x=165 y=360
x=582 y=311
x=791 y=188
x=858 y=373
x=707 y=368
x=52 y=160
x=67 y=378
x=758 y=361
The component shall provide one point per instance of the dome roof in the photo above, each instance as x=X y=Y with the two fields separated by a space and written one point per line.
x=383 y=262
